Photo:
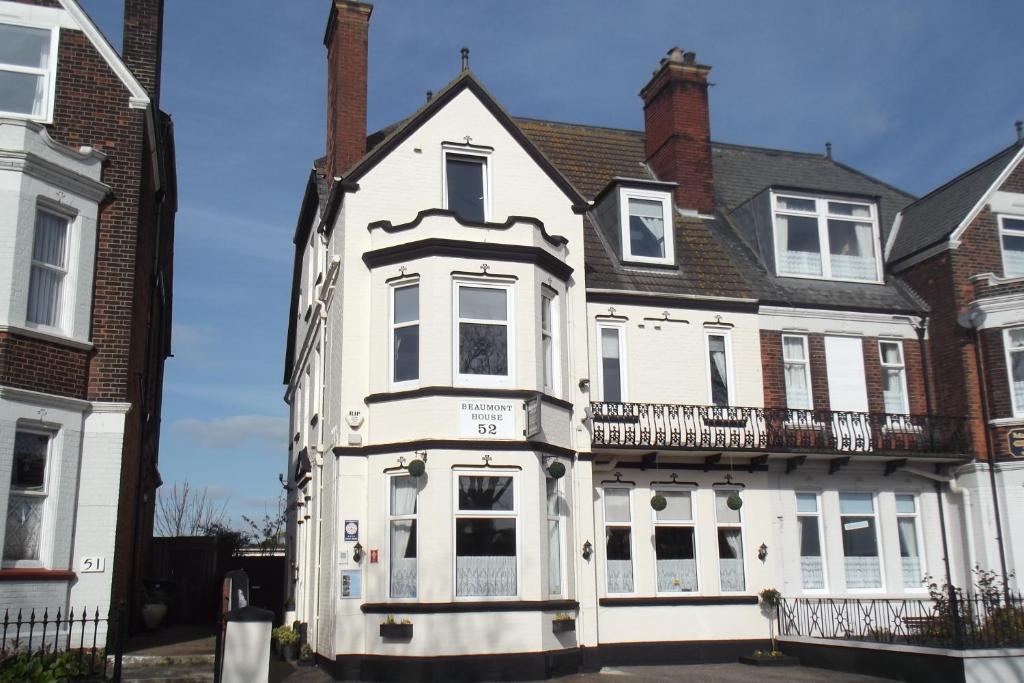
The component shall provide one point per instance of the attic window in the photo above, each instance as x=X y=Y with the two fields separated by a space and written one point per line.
x=466 y=185
x=1011 y=235
x=646 y=220
x=26 y=71
x=818 y=237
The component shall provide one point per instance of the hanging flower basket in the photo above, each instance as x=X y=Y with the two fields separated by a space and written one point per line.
x=556 y=470
x=734 y=501
x=416 y=467
x=658 y=502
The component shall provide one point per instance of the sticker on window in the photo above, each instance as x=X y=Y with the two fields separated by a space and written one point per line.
x=851 y=526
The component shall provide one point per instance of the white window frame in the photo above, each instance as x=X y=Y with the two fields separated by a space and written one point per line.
x=484 y=157
x=806 y=363
x=878 y=542
x=632 y=534
x=458 y=513
x=392 y=326
x=822 y=215
x=549 y=298
x=731 y=525
x=1012 y=232
x=901 y=366
x=49 y=73
x=819 y=515
x=561 y=518
x=729 y=371
x=918 y=537
x=45 y=532
x=66 y=298
x=414 y=517
x=627 y=193
x=691 y=523
x=1018 y=410
x=620 y=329
x=471 y=380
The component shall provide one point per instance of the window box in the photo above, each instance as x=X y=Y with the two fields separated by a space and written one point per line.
x=396 y=631
x=563 y=625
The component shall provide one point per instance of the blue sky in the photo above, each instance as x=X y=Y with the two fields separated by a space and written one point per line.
x=913 y=92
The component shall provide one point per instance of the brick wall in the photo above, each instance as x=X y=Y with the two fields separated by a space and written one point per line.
x=772 y=369
x=38 y=365
x=819 y=372
x=998 y=382
x=346 y=41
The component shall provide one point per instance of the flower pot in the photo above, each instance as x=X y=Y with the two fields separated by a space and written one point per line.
x=153 y=614
x=289 y=652
x=403 y=631
x=563 y=625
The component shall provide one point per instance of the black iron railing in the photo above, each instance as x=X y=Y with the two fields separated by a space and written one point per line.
x=967 y=623
x=691 y=427
x=70 y=644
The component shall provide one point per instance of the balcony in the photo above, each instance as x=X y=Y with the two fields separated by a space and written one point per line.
x=709 y=428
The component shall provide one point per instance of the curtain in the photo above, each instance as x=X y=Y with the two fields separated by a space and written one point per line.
x=611 y=368
x=811 y=564
x=719 y=373
x=24 y=526
x=1017 y=363
x=853 y=256
x=730 y=553
x=485 y=575
x=798 y=394
x=892 y=390
x=646 y=228
x=863 y=572
x=49 y=247
x=620 y=576
x=677 y=575
x=799 y=253
x=554 y=557
x=909 y=553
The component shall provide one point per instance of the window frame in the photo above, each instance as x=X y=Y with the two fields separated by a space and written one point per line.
x=822 y=215
x=918 y=538
x=820 y=516
x=627 y=193
x=393 y=326
x=879 y=548
x=901 y=366
x=632 y=535
x=620 y=328
x=1018 y=410
x=458 y=513
x=45 y=532
x=472 y=380
x=561 y=518
x=549 y=298
x=481 y=155
x=49 y=73
x=730 y=382
x=691 y=523
x=1012 y=232
x=67 y=291
x=806 y=362
x=731 y=525
x=414 y=517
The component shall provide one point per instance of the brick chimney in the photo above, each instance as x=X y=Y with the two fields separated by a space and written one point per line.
x=143 y=42
x=346 y=39
x=676 y=121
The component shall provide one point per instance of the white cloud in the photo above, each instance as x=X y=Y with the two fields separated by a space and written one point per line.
x=230 y=432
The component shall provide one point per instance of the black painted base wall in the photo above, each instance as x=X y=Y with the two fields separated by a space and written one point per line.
x=534 y=666
x=900 y=666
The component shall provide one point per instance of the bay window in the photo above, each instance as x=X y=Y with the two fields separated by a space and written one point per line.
x=27 y=65
x=611 y=370
x=808 y=526
x=49 y=269
x=826 y=238
x=730 y=543
x=27 y=499
x=405 y=333
x=894 y=377
x=675 y=547
x=486 y=544
x=908 y=528
x=482 y=331
x=548 y=347
x=618 y=532
x=1011 y=237
x=1013 y=341
x=402 y=537
x=555 y=513
x=797 y=371
x=860 y=540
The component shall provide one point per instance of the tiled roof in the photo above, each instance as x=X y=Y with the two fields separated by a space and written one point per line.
x=935 y=216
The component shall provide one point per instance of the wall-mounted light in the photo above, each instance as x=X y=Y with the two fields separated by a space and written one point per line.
x=357 y=552
x=762 y=552
x=588 y=550
x=584 y=384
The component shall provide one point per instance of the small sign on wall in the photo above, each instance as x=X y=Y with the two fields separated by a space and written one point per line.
x=89 y=565
x=487 y=419
x=351 y=530
x=532 y=406
x=351 y=583
x=1015 y=440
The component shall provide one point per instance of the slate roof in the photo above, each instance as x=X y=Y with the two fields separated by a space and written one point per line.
x=713 y=259
x=937 y=215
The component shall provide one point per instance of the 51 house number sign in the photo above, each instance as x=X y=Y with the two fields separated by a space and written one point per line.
x=487 y=419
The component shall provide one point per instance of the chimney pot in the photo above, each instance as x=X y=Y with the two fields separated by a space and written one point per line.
x=1019 y=125
x=689 y=58
x=828 y=150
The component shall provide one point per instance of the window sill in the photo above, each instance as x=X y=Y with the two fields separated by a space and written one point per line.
x=738 y=599
x=49 y=334
x=512 y=605
x=35 y=574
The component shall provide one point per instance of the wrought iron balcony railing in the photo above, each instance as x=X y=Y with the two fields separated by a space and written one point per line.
x=703 y=428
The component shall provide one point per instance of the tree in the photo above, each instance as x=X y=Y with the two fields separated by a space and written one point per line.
x=184 y=511
x=267 y=535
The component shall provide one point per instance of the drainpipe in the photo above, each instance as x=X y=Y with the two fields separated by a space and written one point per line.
x=990 y=450
x=953 y=607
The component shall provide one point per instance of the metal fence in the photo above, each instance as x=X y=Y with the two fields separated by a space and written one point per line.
x=694 y=427
x=72 y=644
x=967 y=622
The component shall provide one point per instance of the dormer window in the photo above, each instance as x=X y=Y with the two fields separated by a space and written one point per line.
x=646 y=220
x=1011 y=236
x=826 y=238
x=26 y=71
x=466 y=184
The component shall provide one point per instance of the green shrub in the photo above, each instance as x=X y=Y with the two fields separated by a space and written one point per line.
x=285 y=635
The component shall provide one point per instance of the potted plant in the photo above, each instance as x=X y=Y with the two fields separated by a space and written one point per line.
x=306 y=656
x=770 y=601
x=287 y=640
x=563 y=623
x=389 y=628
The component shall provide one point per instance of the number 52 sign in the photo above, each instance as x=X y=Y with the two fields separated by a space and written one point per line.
x=488 y=419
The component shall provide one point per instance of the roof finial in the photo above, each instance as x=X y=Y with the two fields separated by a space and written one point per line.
x=828 y=150
x=1019 y=125
x=465 y=59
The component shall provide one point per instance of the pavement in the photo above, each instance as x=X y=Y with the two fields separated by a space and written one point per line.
x=702 y=673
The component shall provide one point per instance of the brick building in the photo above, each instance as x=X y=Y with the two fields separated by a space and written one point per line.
x=87 y=201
